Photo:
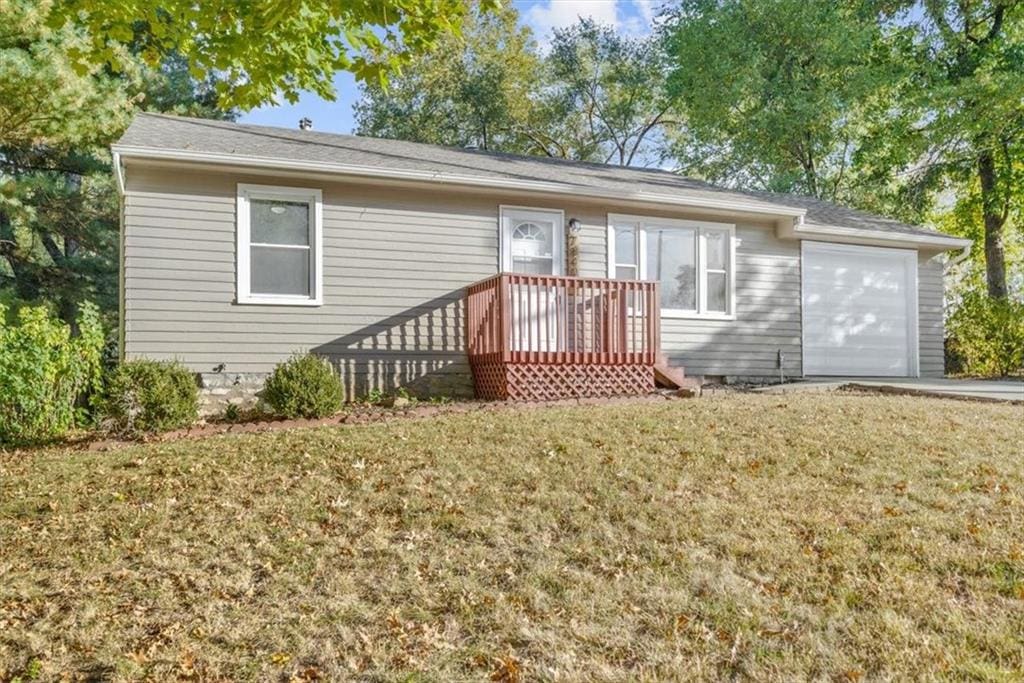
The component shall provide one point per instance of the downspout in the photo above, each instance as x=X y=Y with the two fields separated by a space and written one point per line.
x=118 y=173
x=957 y=260
x=119 y=176
x=947 y=270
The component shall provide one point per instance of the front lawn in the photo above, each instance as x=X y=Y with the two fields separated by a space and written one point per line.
x=774 y=537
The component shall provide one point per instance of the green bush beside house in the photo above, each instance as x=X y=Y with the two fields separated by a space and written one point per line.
x=986 y=336
x=304 y=386
x=148 y=396
x=46 y=373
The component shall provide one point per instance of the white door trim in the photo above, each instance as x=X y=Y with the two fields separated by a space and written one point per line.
x=913 y=321
x=506 y=211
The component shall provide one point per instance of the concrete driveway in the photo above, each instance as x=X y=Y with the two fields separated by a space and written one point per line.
x=980 y=389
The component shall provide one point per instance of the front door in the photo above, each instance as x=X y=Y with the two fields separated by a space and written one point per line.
x=532 y=242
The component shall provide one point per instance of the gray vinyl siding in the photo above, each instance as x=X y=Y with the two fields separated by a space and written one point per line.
x=395 y=268
x=930 y=298
x=396 y=263
x=767 y=306
x=767 y=315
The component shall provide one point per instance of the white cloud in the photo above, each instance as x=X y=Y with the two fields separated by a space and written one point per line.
x=544 y=17
x=629 y=17
x=646 y=9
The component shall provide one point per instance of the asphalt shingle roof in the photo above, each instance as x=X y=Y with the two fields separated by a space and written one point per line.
x=175 y=133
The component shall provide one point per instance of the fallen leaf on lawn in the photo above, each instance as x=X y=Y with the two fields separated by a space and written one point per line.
x=309 y=673
x=507 y=670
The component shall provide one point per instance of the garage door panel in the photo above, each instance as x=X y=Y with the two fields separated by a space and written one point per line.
x=888 y=305
x=855 y=323
x=888 y=320
x=856 y=346
x=837 y=330
x=868 y=367
x=859 y=314
x=852 y=286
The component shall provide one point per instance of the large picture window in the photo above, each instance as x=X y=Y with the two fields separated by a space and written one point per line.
x=692 y=260
x=279 y=245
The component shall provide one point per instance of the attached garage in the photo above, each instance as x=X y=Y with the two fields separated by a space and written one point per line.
x=859 y=310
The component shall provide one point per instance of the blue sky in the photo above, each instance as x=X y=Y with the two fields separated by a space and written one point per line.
x=629 y=16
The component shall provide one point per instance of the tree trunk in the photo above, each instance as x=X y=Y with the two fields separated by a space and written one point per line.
x=8 y=251
x=995 y=260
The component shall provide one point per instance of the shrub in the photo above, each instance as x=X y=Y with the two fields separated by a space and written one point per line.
x=232 y=413
x=45 y=372
x=303 y=386
x=986 y=335
x=149 y=396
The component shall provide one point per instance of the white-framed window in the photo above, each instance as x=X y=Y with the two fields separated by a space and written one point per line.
x=280 y=245
x=695 y=262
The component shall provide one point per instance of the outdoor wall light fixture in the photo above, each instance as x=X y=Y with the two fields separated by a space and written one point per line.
x=575 y=226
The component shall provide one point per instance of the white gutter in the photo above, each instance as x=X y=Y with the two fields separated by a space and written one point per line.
x=957 y=260
x=457 y=179
x=802 y=230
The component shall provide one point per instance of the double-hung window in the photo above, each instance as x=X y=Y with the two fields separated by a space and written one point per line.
x=279 y=245
x=693 y=260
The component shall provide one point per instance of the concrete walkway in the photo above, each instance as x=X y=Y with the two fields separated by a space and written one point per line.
x=979 y=389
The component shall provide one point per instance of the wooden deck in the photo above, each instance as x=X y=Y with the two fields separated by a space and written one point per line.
x=543 y=337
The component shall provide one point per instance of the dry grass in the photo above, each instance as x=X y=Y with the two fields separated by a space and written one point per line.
x=831 y=537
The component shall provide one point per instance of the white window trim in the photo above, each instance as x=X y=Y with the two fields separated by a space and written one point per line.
x=640 y=224
x=505 y=235
x=314 y=197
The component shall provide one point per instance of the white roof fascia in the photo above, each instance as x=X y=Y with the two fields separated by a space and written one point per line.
x=798 y=229
x=765 y=209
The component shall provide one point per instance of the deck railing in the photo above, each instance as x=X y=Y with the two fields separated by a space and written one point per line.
x=546 y=319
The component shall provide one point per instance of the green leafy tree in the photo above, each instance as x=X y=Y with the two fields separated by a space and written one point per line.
x=58 y=203
x=605 y=96
x=596 y=96
x=258 y=50
x=46 y=97
x=60 y=240
x=780 y=94
x=473 y=89
x=969 y=78
x=890 y=106
x=963 y=215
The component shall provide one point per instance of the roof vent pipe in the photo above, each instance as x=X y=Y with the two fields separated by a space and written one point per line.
x=305 y=123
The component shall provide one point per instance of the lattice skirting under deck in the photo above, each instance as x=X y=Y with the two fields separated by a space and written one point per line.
x=543 y=382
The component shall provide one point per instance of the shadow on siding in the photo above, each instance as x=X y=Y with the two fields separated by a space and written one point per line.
x=421 y=349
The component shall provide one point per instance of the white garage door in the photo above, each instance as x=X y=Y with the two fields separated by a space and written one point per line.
x=859 y=310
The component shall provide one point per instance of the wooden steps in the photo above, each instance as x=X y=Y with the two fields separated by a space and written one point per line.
x=668 y=376
x=674 y=377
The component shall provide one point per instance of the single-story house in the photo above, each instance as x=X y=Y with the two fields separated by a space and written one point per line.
x=430 y=267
